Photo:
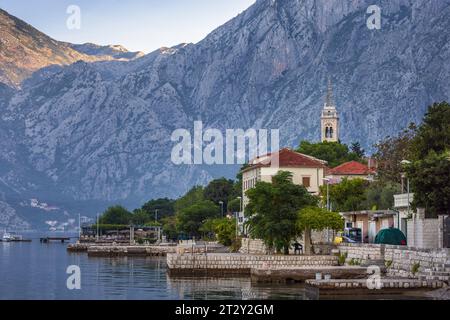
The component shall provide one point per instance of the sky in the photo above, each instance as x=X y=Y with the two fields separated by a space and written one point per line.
x=139 y=25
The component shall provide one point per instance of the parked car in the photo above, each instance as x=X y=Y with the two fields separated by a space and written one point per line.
x=350 y=235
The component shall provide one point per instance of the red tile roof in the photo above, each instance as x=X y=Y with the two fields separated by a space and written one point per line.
x=351 y=168
x=287 y=158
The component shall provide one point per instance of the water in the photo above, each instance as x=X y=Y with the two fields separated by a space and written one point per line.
x=38 y=271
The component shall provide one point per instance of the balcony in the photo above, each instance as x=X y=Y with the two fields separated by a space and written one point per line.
x=401 y=200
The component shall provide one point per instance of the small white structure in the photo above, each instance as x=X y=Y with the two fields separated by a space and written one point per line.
x=426 y=233
x=402 y=203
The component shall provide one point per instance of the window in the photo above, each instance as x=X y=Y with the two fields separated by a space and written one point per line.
x=306 y=181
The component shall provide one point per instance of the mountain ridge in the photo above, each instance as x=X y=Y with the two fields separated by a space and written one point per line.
x=24 y=50
x=101 y=131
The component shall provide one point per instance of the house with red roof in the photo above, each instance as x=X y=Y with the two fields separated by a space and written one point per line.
x=350 y=170
x=306 y=170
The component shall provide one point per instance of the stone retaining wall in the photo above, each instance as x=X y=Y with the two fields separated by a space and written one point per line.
x=361 y=253
x=220 y=263
x=253 y=246
x=111 y=251
x=400 y=260
x=257 y=246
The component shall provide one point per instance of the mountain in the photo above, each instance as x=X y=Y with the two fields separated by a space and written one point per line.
x=24 y=50
x=115 y=51
x=100 y=132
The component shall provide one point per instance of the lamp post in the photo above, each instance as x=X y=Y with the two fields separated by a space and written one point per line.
x=79 y=226
x=237 y=218
x=328 y=192
x=97 y=227
x=221 y=207
x=328 y=202
x=406 y=163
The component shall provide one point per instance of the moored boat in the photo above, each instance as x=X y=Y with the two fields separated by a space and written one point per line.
x=11 y=237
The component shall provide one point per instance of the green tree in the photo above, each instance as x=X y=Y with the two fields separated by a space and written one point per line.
x=194 y=195
x=234 y=205
x=348 y=195
x=391 y=151
x=356 y=149
x=430 y=181
x=140 y=217
x=380 y=195
x=225 y=230
x=164 y=206
x=334 y=153
x=219 y=190
x=433 y=135
x=208 y=229
x=191 y=218
x=272 y=210
x=117 y=215
x=169 y=227
x=318 y=219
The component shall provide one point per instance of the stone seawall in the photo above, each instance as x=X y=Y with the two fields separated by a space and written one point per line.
x=226 y=263
x=114 y=251
x=402 y=261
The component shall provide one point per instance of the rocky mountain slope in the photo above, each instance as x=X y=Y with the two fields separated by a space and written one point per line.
x=23 y=50
x=101 y=131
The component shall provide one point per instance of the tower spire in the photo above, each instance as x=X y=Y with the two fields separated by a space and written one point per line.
x=329 y=99
x=330 y=118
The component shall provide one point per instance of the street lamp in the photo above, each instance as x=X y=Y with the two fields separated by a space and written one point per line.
x=406 y=163
x=237 y=216
x=221 y=207
x=328 y=192
x=98 y=229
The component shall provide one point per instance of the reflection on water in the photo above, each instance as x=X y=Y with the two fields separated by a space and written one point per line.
x=239 y=288
x=38 y=271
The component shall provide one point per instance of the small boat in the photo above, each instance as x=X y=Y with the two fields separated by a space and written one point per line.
x=10 y=237
x=7 y=237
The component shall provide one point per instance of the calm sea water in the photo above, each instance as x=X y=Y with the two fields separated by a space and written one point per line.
x=38 y=271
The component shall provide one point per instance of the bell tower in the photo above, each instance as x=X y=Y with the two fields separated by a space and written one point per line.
x=329 y=121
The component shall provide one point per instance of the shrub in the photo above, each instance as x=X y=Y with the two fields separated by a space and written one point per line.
x=415 y=268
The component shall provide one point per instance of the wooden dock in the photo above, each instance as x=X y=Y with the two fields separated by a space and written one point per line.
x=54 y=239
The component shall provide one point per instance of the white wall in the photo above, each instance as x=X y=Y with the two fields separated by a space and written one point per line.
x=423 y=233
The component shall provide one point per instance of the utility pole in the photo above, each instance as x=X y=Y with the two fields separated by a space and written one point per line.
x=156 y=215
x=328 y=192
x=98 y=227
x=237 y=217
x=221 y=207
x=79 y=226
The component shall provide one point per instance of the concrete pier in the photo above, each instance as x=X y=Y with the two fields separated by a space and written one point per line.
x=385 y=284
x=301 y=274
